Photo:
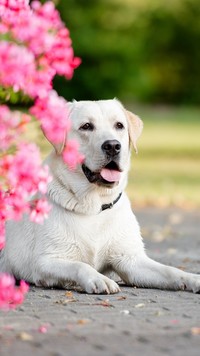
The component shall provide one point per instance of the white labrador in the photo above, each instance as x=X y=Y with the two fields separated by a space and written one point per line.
x=91 y=229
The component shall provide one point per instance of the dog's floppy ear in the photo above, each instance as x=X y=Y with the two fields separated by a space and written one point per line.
x=60 y=146
x=135 y=126
x=57 y=146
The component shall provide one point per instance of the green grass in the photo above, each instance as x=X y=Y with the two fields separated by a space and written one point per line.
x=167 y=169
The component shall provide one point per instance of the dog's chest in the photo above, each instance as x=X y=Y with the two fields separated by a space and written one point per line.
x=91 y=240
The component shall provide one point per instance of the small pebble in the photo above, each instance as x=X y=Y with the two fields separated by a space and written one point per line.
x=125 y=312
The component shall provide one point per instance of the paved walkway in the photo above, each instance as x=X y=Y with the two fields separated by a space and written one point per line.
x=133 y=322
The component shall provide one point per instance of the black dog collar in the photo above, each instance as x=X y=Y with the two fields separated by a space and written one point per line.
x=109 y=206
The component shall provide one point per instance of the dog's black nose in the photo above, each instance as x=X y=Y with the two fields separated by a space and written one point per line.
x=111 y=147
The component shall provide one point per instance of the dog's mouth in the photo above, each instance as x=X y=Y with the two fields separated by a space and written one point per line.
x=108 y=175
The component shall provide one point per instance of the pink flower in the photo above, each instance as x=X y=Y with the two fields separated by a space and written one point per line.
x=9 y=6
x=11 y=296
x=2 y=234
x=40 y=210
x=24 y=287
x=6 y=281
x=47 y=12
x=71 y=155
x=3 y=216
x=18 y=69
x=43 y=179
x=25 y=170
x=61 y=55
x=52 y=111
x=17 y=66
x=24 y=176
x=45 y=36
x=41 y=83
x=12 y=124
x=16 y=203
x=43 y=328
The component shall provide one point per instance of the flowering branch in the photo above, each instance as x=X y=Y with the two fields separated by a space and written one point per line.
x=35 y=45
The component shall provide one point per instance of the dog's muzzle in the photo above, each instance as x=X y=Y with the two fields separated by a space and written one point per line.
x=110 y=174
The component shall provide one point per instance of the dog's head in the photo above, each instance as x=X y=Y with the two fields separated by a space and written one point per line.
x=104 y=130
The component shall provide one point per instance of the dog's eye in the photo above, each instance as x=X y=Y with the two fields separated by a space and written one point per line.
x=119 y=125
x=87 y=127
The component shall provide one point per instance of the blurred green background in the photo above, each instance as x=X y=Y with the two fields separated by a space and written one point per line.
x=141 y=50
x=146 y=53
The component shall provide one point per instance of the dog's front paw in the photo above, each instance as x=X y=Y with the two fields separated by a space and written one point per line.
x=101 y=285
x=193 y=283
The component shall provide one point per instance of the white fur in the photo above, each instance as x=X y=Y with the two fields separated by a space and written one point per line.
x=79 y=243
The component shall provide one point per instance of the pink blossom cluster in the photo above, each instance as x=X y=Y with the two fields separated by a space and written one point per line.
x=52 y=112
x=10 y=295
x=10 y=6
x=42 y=47
x=24 y=176
x=35 y=45
x=71 y=154
x=18 y=69
x=12 y=125
x=47 y=110
x=24 y=169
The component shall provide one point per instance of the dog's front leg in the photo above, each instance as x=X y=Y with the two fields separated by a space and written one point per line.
x=51 y=271
x=142 y=271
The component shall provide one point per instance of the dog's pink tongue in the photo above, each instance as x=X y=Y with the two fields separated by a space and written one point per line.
x=110 y=175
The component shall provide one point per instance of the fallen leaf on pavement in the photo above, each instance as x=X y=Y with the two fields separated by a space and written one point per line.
x=83 y=321
x=25 y=336
x=105 y=303
x=66 y=301
x=195 y=331
x=69 y=294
